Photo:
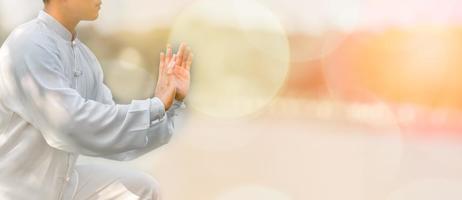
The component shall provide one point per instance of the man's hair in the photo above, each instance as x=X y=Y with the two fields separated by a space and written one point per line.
x=45 y=1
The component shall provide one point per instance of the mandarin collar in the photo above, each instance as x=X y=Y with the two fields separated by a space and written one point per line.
x=54 y=25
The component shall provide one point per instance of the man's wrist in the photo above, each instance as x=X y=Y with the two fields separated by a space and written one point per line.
x=164 y=101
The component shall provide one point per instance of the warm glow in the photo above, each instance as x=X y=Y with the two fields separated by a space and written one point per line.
x=416 y=65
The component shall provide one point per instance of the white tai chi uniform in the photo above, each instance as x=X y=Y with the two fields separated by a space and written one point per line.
x=55 y=106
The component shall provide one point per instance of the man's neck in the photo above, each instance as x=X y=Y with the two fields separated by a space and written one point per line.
x=69 y=23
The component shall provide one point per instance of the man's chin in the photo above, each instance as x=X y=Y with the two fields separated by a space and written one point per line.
x=92 y=18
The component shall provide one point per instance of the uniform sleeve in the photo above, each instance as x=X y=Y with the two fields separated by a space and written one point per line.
x=104 y=94
x=40 y=93
x=159 y=132
x=161 y=126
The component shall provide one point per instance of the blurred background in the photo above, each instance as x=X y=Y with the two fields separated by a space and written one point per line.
x=294 y=99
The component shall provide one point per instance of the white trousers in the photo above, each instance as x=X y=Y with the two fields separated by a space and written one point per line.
x=101 y=182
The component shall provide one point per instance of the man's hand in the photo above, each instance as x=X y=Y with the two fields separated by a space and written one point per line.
x=166 y=87
x=181 y=72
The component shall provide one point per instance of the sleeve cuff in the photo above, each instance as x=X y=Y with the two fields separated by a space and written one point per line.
x=177 y=105
x=157 y=110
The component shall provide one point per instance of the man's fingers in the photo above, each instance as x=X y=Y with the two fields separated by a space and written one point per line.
x=189 y=61
x=172 y=64
x=181 y=53
x=169 y=54
x=185 y=58
x=162 y=58
x=185 y=61
x=161 y=62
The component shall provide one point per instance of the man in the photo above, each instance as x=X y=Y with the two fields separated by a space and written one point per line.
x=54 y=106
